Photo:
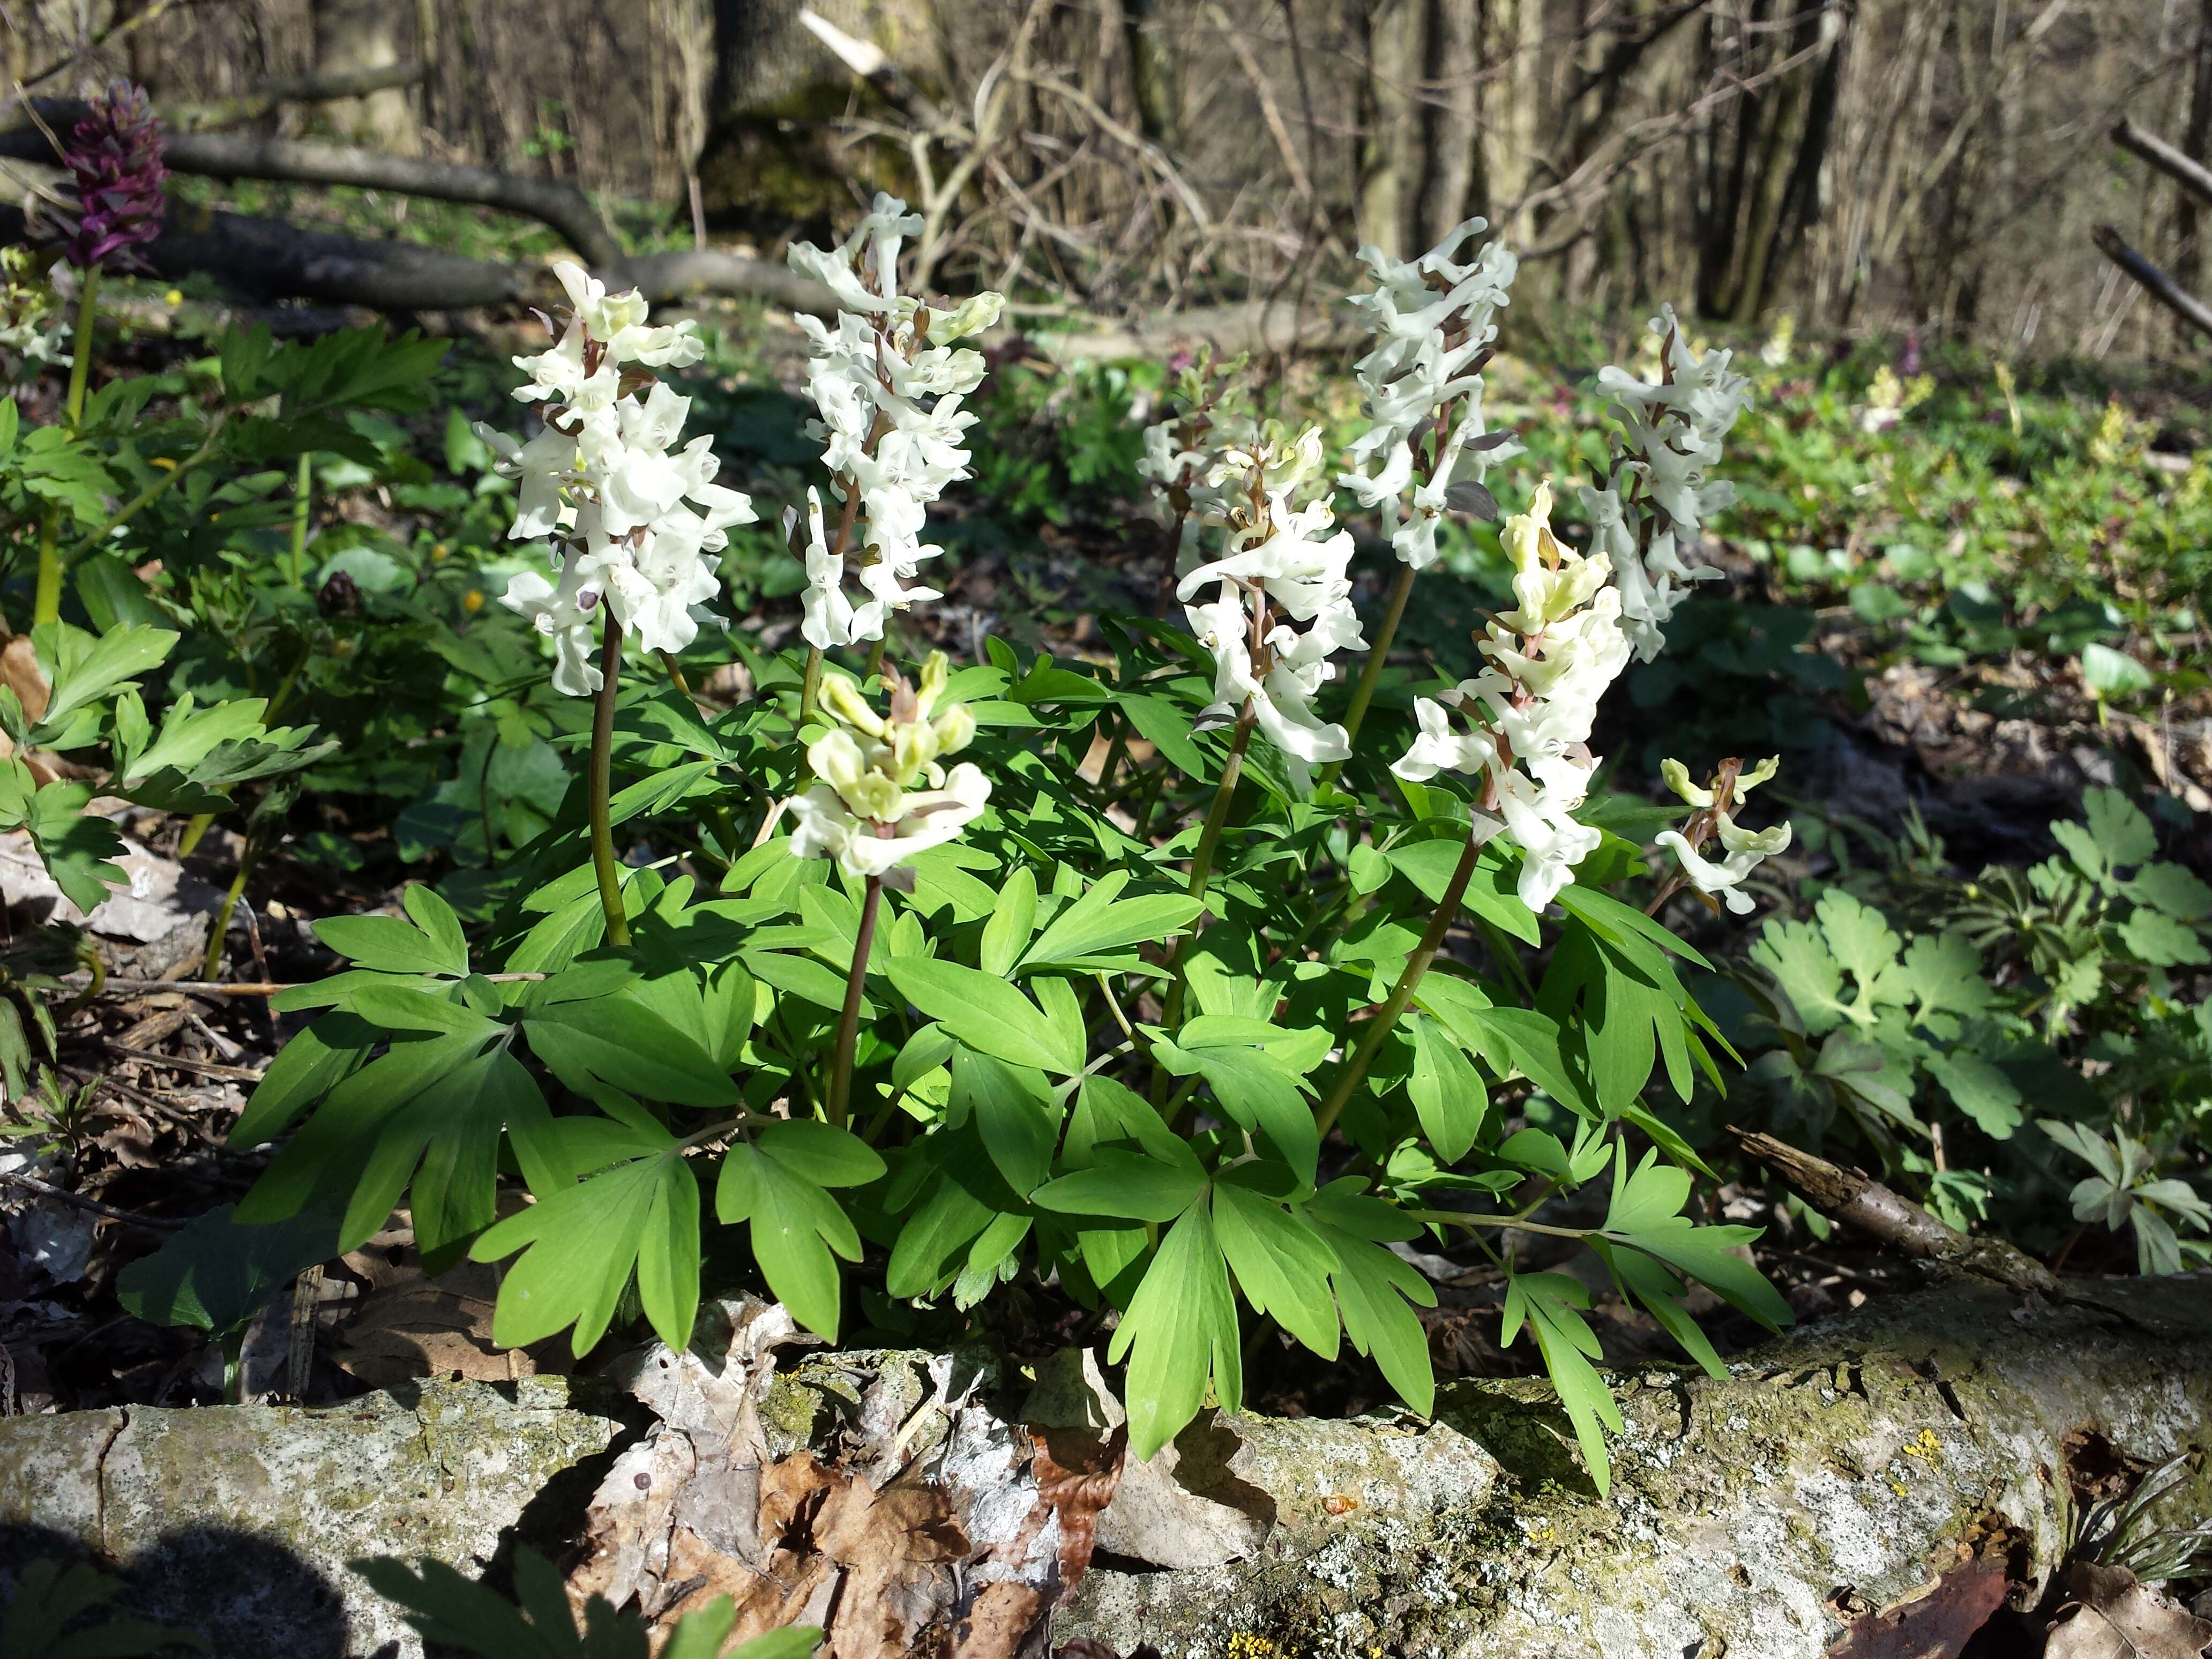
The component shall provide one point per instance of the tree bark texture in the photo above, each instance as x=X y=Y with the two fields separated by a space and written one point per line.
x=1931 y=1440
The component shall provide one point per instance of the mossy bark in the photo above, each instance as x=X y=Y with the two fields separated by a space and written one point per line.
x=1840 y=1469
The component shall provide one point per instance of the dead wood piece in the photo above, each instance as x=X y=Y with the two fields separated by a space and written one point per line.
x=2190 y=173
x=1281 y=326
x=663 y=277
x=1848 y=1196
x=185 y=1063
x=241 y=155
x=258 y=101
x=2153 y=281
x=78 y=1200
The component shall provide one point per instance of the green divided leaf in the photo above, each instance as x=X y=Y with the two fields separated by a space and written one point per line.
x=1551 y=1306
x=1179 y=1333
x=215 y=1275
x=1447 y=1093
x=797 y=1228
x=581 y=1244
x=985 y=1012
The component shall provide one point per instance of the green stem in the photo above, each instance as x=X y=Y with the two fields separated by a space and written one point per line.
x=1355 y=1070
x=1364 y=693
x=248 y=856
x=876 y=651
x=303 y=489
x=152 y=493
x=848 y=1021
x=1217 y=817
x=81 y=348
x=1512 y=1223
x=46 y=604
x=600 y=784
x=809 y=689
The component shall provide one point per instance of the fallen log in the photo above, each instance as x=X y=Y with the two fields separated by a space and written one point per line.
x=262 y=259
x=323 y=87
x=1915 y=1461
x=242 y=155
x=2153 y=279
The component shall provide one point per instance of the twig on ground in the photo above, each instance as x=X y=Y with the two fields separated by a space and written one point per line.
x=105 y=1211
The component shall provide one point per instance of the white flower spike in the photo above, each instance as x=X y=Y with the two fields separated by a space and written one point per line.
x=635 y=523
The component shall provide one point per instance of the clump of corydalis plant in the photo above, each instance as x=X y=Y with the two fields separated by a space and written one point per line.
x=603 y=483
x=1279 y=565
x=1206 y=419
x=1551 y=658
x=1655 y=499
x=866 y=811
x=1434 y=323
x=114 y=158
x=1741 y=850
x=31 y=325
x=889 y=385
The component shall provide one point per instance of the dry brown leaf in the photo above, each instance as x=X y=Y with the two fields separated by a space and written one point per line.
x=1077 y=1472
x=2115 y=1615
x=1933 y=1624
x=413 y=1327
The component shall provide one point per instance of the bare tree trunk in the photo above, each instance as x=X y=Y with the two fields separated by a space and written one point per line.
x=359 y=35
x=1449 y=117
x=2197 y=145
x=1390 y=33
x=1512 y=111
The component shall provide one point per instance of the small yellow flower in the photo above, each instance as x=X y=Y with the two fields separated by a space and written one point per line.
x=165 y=462
x=439 y=549
x=175 y=296
x=473 y=600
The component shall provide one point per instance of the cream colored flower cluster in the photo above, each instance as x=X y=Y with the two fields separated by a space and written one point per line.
x=1741 y=850
x=866 y=810
x=1551 y=658
x=1433 y=322
x=888 y=384
x=633 y=522
x=1654 y=506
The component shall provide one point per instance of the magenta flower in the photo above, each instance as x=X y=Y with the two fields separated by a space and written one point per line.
x=115 y=153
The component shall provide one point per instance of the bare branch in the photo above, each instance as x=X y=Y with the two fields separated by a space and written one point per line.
x=2153 y=281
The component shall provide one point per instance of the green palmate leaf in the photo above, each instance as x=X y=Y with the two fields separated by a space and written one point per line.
x=1490 y=892
x=218 y=1272
x=944 y=1224
x=84 y=668
x=797 y=1229
x=1645 y=1214
x=581 y=1244
x=1282 y=1265
x=617 y=1040
x=1942 y=973
x=1100 y=923
x=1980 y=1091
x=1168 y=729
x=985 y=1012
x=2155 y=938
x=306 y=1069
x=1127 y=1184
x=1373 y=1289
x=1661 y=1295
x=1108 y=1112
x=2172 y=890
x=49 y=1598
x=1447 y=1094
x=76 y=848
x=1258 y=1092
x=1179 y=1334
x=1013 y=918
x=823 y=1153
x=1551 y=1306
x=388 y=945
x=429 y=1116
x=1013 y=1110
x=453 y=1612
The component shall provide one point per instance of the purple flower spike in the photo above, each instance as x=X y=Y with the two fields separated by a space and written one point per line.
x=115 y=152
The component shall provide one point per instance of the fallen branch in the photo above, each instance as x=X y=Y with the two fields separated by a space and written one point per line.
x=1276 y=327
x=2191 y=174
x=269 y=259
x=93 y=1206
x=2153 y=281
x=252 y=105
x=1848 y=1196
x=235 y=156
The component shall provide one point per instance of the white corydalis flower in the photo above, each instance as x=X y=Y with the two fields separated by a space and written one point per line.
x=888 y=383
x=1654 y=508
x=1434 y=322
x=1550 y=661
x=635 y=522
x=1742 y=850
x=1277 y=569
x=866 y=811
